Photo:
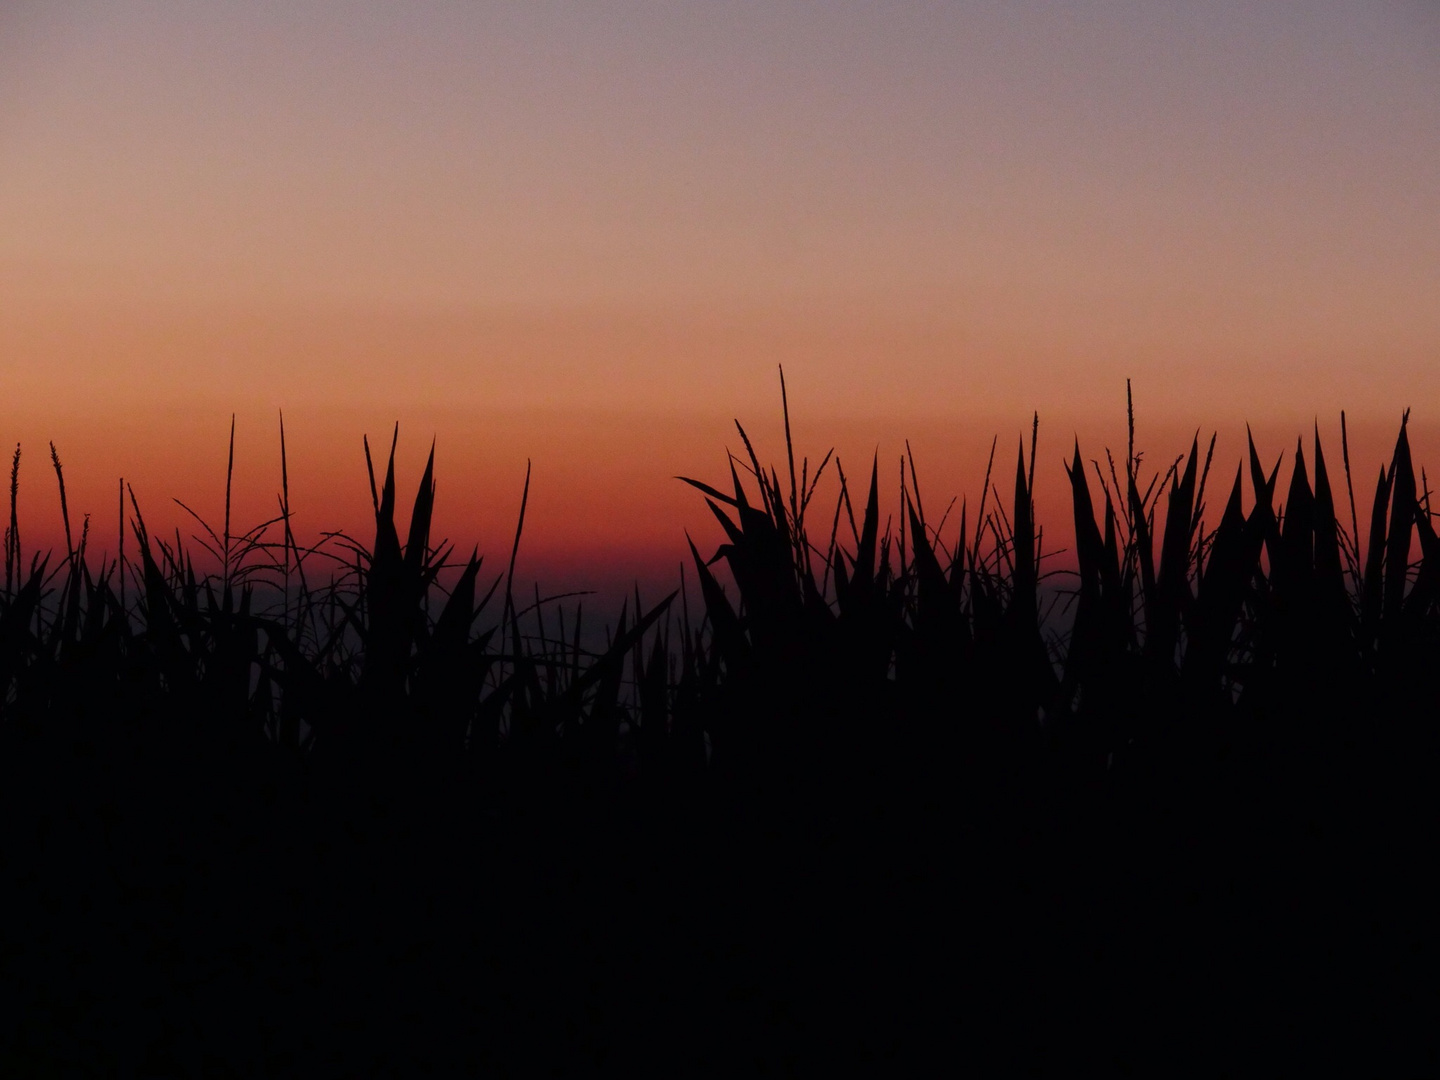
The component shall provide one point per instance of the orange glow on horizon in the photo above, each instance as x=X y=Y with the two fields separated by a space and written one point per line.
x=605 y=510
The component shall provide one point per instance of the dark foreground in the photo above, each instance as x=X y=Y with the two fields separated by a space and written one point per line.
x=205 y=925
x=859 y=807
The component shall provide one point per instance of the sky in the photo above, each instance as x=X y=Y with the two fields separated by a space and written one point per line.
x=585 y=236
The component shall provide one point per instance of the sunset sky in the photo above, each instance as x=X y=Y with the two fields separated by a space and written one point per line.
x=586 y=234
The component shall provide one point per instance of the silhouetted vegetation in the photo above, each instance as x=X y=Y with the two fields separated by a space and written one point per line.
x=342 y=808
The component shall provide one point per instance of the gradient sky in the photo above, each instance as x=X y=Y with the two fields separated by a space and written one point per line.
x=586 y=234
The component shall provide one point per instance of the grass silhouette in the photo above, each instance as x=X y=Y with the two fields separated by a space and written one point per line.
x=312 y=812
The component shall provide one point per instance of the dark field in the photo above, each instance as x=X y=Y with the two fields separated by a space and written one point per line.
x=865 y=803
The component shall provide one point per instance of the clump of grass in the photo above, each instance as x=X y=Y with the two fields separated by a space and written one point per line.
x=834 y=655
x=332 y=733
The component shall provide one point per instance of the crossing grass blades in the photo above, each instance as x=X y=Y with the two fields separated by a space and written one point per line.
x=857 y=786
